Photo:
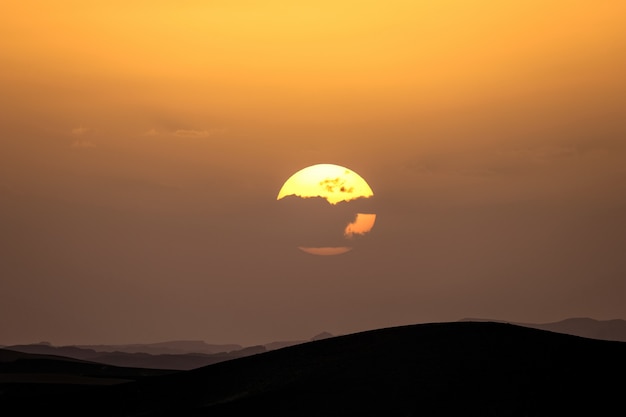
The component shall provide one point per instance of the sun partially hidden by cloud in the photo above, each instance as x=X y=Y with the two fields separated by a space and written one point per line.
x=362 y=224
x=331 y=182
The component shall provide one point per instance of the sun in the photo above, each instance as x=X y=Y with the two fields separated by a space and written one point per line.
x=335 y=184
x=331 y=182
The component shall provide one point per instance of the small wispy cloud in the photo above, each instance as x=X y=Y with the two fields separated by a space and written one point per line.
x=336 y=185
x=185 y=133
x=194 y=133
x=79 y=131
x=543 y=153
x=83 y=144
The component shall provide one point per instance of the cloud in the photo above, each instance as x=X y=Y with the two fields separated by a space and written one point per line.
x=79 y=131
x=196 y=133
x=82 y=144
x=542 y=153
x=493 y=162
x=336 y=184
x=184 y=133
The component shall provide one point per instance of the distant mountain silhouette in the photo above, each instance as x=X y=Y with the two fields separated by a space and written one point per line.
x=174 y=355
x=175 y=347
x=579 y=326
x=465 y=368
x=139 y=359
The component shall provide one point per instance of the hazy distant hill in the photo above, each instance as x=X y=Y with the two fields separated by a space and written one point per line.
x=584 y=327
x=435 y=369
x=191 y=354
x=138 y=360
x=176 y=347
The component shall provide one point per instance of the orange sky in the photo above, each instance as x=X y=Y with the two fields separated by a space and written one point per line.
x=142 y=145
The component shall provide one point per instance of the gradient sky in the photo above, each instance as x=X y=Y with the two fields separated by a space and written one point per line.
x=143 y=144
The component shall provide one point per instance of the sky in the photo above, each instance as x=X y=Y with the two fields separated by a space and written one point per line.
x=143 y=145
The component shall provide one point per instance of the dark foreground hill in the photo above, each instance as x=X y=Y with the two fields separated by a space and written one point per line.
x=27 y=379
x=437 y=369
x=28 y=367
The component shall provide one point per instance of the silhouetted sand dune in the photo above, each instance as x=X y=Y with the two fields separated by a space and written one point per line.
x=445 y=369
x=31 y=381
x=37 y=368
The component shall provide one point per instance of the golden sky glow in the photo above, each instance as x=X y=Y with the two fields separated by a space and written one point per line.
x=253 y=60
x=143 y=143
x=331 y=182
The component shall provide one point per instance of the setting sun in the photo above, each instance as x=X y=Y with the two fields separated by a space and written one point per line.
x=332 y=182
x=335 y=184
x=209 y=179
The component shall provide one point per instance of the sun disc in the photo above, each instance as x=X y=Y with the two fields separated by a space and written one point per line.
x=331 y=182
x=327 y=229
